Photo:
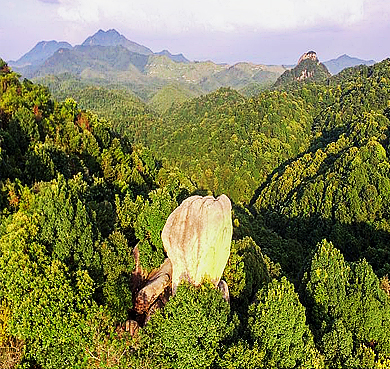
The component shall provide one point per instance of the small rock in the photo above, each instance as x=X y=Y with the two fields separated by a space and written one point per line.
x=155 y=286
x=131 y=327
x=223 y=287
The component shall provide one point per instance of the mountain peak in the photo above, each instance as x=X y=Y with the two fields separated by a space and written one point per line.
x=111 y=33
x=312 y=55
x=40 y=52
x=178 y=58
x=105 y=38
x=335 y=66
x=308 y=69
x=113 y=38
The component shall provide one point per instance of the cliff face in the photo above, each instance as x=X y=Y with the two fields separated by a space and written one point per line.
x=312 y=55
x=308 y=69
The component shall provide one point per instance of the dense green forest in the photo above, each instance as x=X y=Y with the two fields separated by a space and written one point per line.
x=306 y=167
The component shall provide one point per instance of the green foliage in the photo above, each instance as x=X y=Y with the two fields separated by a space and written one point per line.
x=148 y=226
x=49 y=305
x=368 y=314
x=247 y=270
x=65 y=264
x=326 y=284
x=65 y=224
x=307 y=70
x=242 y=356
x=277 y=322
x=117 y=264
x=347 y=307
x=124 y=110
x=77 y=197
x=188 y=332
x=228 y=144
x=339 y=188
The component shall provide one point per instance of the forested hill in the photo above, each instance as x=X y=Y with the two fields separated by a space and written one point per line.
x=308 y=172
x=339 y=189
x=227 y=143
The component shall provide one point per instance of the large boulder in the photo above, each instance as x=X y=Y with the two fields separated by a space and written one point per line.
x=197 y=237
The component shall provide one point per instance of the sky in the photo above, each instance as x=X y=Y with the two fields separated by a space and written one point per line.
x=224 y=31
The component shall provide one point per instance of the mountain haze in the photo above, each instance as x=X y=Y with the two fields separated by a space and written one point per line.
x=345 y=61
x=109 y=59
x=39 y=53
x=114 y=38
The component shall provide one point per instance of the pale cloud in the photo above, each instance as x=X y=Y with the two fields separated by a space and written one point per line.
x=175 y=16
x=221 y=30
x=50 y=1
x=80 y=11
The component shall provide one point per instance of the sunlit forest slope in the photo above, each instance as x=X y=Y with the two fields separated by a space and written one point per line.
x=307 y=169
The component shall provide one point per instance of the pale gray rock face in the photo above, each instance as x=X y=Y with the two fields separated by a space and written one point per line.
x=197 y=237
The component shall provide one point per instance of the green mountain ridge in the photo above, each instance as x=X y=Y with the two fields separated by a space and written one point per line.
x=145 y=75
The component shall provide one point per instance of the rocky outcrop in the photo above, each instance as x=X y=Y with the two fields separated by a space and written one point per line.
x=197 y=237
x=308 y=69
x=312 y=55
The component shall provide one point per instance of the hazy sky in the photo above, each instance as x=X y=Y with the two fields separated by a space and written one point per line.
x=260 y=31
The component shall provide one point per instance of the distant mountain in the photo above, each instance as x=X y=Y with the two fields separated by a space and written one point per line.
x=99 y=61
x=114 y=38
x=335 y=66
x=109 y=59
x=145 y=75
x=174 y=93
x=178 y=58
x=308 y=69
x=39 y=53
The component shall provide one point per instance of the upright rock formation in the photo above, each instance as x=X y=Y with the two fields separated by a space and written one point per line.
x=197 y=237
x=308 y=69
x=312 y=55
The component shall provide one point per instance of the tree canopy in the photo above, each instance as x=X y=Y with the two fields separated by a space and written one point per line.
x=83 y=201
